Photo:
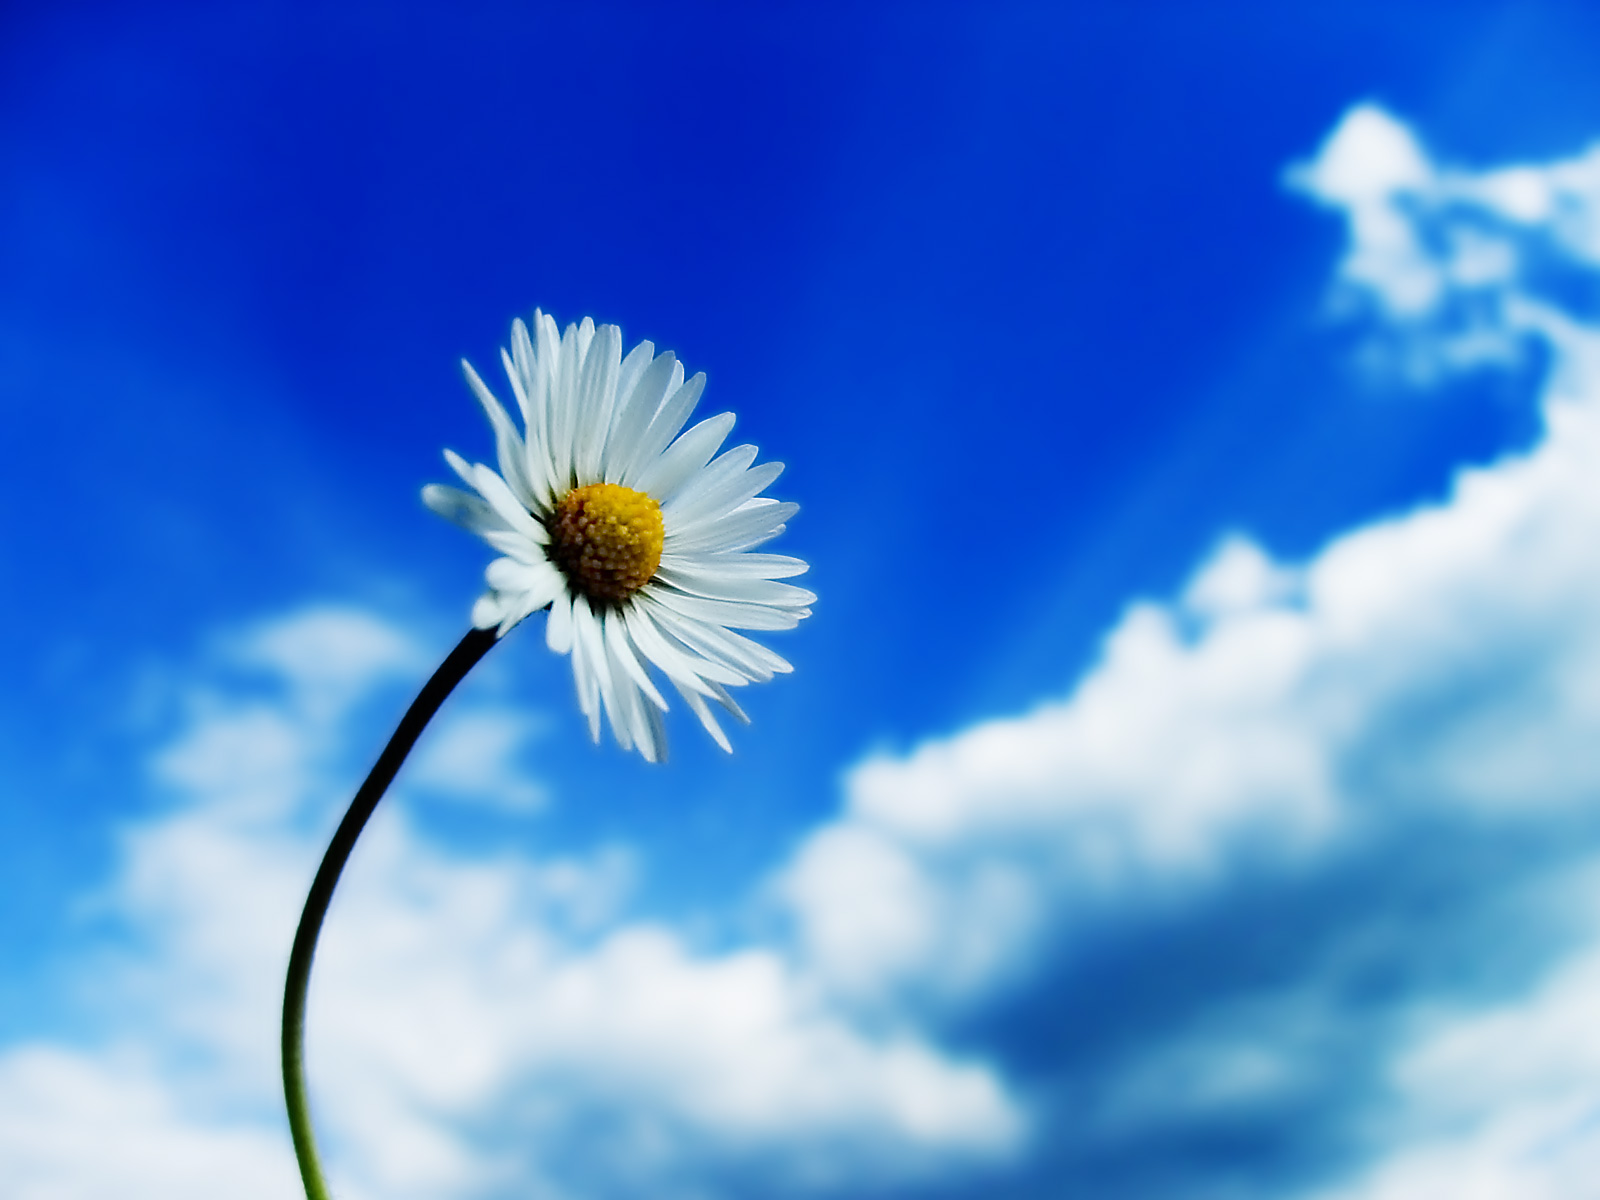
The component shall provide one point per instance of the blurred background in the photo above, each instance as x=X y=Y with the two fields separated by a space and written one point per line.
x=1190 y=781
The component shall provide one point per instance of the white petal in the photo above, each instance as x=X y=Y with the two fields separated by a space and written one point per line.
x=628 y=722
x=538 y=578
x=752 y=523
x=703 y=711
x=621 y=649
x=746 y=658
x=470 y=512
x=637 y=409
x=563 y=406
x=514 y=544
x=728 y=466
x=535 y=462
x=488 y=610
x=633 y=367
x=507 y=511
x=751 y=650
x=535 y=371
x=686 y=667
x=658 y=733
x=547 y=345
x=523 y=606
x=644 y=720
x=588 y=661
x=702 y=643
x=727 y=612
x=717 y=498
x=665 y=426
x=729 y=703
x=597 y=396
x=589 y=644
x=633 y=411
x=558 y=629
x=668 y=471
x=510 y=510
x=508 y=448
x=631 y=705
x=740 y=566
x=507 y=575
x=525 y=371
x=461 y=467
x=731 y=587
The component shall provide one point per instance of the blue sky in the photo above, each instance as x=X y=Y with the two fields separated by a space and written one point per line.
x=1186 y=787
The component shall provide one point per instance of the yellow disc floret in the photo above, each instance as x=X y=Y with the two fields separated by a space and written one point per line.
x=607 y=539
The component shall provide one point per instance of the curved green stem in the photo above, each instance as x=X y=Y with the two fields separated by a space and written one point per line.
x=454 y=668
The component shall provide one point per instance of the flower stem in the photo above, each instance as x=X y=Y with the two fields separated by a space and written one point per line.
x=454 y=668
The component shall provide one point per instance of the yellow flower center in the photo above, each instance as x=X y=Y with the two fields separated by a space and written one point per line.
x=607 y=539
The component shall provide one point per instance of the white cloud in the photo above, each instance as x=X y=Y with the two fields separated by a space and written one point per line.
x=77 y=1126
x=1437 y=665
x=330 y=656
x=1372 y=168
x=1448 y=257
x=473 y=756
x=449 y=989
x=1504 y=1104
x=1256 y=714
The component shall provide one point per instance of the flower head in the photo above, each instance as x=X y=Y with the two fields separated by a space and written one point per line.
x=627 y=528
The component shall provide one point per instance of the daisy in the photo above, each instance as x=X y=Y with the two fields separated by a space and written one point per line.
x=626 y=528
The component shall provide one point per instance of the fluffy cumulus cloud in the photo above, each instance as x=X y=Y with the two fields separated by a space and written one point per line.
x=1320 y=792
x=1296 y=893
x=475 y=1023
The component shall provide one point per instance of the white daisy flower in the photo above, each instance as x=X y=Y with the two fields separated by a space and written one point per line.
x=632 y=534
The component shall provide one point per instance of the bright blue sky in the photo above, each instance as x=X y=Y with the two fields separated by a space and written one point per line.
x=1022 y=297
